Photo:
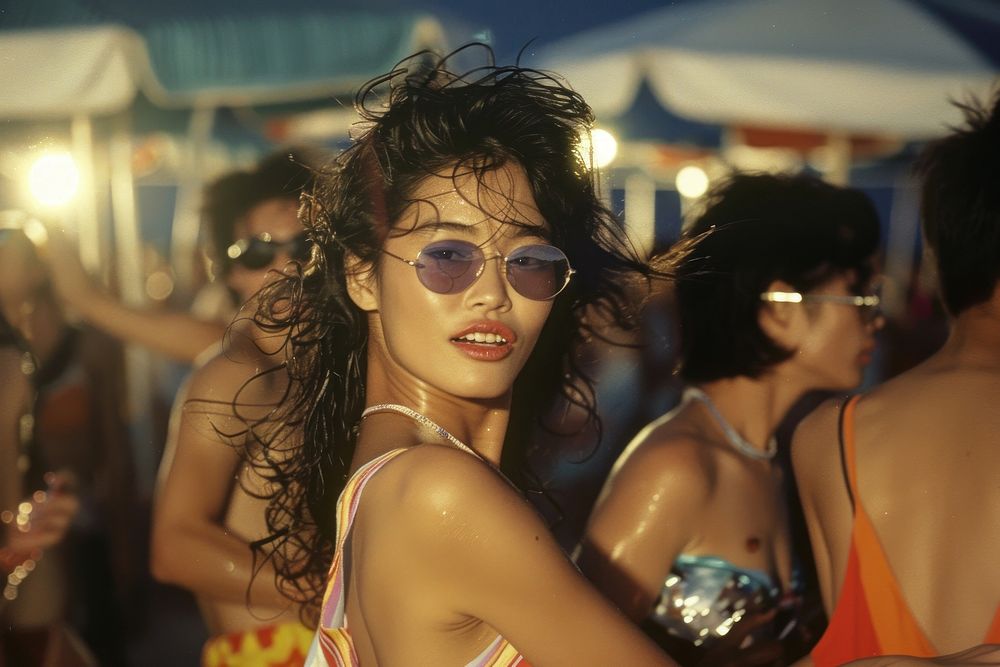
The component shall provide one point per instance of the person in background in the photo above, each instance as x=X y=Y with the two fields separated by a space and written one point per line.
x=66 y=499
x=900 y=485
x=773 y=299
x=249 y=218
x=210 y=504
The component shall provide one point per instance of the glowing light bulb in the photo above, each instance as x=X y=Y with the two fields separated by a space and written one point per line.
x=54 y=179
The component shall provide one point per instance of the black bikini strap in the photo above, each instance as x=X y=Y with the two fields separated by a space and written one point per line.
x=843 y=455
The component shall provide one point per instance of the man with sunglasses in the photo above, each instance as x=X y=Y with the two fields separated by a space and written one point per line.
x=250 y=227
x=253 y=227
x=203 y=522
x=900 y=485
x=210 y=504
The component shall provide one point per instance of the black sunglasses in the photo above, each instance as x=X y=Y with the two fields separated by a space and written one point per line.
x=537 y=272
x=260 y=251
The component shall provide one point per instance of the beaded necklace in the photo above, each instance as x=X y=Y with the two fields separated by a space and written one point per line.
x=739 y=443
x=426 y=421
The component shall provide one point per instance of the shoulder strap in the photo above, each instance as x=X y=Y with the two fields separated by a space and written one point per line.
x=332 y=611
x=350 y=497
x=847 y=448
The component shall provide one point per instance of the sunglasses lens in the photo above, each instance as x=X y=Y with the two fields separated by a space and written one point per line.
x=448 y=267
x=256 y=254
x=300 y=248
x=537 y=272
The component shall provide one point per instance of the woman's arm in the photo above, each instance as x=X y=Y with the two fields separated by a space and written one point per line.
x=984 y=654
x=50 y=514
x=644 y=517
x=484 y=552
x=15 y=392
x=190 y=546
x=176 y=334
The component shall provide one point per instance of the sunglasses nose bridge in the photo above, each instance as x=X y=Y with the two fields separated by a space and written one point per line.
x=501 y=264
x=491 y=288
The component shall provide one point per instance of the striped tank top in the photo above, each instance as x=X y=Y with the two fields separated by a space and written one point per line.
x=332 y=645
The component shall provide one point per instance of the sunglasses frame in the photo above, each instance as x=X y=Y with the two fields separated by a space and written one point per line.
x=237 y=251
x=868 y=303
x=416 y=264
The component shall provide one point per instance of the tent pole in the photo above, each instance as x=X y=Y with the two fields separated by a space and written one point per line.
x=88 y=229
x=838 y=158
x=640 y=212
x=131 y=284
x=187 y=220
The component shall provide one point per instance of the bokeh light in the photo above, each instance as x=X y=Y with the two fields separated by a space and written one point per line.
x=54 y=179
x=691 y=182
x=603 y=144
x=159 y=285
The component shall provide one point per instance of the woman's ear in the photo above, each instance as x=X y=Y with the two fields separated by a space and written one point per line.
x=784 y=323
x=361 y=287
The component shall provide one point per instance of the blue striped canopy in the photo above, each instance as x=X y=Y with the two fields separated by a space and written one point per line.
x=213 y=52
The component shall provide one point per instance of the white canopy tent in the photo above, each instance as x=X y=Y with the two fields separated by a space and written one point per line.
x=84 y=71
x=888 y=69
x=884 y=67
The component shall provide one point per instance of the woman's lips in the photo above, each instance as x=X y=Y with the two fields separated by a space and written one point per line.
x=485 y=341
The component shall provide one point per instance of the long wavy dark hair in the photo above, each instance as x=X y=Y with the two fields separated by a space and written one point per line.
x=419 y=120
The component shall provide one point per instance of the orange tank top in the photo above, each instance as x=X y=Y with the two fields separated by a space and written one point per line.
x=871 y=617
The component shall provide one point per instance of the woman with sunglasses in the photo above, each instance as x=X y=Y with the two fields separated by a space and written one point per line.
x=689 y=536
x=462 y=252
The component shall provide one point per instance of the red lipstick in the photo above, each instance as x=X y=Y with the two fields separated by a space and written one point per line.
x=486 y=341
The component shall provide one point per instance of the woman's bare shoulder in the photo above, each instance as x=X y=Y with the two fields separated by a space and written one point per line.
x=432 y=498
x=816 y=450
x=667 y=448
x=663 y=462
x=431 y=478
x=815 y=433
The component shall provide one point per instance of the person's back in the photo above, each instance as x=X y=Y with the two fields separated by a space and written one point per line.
x=925 y=464
x=900 y=486
x=928 y=468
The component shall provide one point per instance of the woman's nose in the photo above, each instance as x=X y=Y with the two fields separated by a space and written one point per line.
x=490 y=290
